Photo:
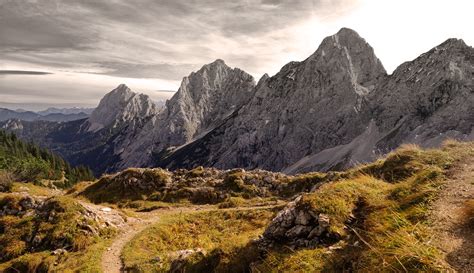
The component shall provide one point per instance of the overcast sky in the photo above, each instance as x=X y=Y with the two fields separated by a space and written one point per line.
x=72 y=52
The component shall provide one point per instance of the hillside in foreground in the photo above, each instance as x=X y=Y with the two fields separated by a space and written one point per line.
x=411 y=211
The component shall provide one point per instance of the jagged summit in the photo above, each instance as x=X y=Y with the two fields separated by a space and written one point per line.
x=349 y=49
x=347 y=31
x=345 y=37
x=121 y=88
x=204 y=98
x=214 y=67
x=217 y=62
x=263 y=79
x=453 y=42
x=120 y=105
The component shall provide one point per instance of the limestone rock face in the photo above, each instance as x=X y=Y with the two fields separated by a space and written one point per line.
x=430 y=98
x=121 y=106
x=339 y=108
x=303 y=109
x=424 y=102
x=204 y=100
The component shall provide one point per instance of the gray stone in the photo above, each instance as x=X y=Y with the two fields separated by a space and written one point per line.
x=303 y=218
x=323 y=221
x=298 y=231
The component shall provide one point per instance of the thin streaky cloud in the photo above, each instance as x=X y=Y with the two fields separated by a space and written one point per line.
x=23 y=72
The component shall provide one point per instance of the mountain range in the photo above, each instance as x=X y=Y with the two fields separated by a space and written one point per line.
x=50 y=114
x=337 y=108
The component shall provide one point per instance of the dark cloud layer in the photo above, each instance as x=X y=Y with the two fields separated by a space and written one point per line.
x=163 y=39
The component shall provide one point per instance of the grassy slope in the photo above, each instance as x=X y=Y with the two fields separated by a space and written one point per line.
x=391 y=201
x=380 y=212
x=224 y=235
x=63 y=230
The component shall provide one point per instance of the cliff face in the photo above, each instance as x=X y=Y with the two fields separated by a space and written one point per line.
x=429 y=98
x=127 y=128
x=204 y=100
x=339 y=107
x=303 y=109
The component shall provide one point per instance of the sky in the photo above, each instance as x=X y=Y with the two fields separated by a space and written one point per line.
x=68 y=53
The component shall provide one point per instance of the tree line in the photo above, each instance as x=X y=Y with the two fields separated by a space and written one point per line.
x=29 y=162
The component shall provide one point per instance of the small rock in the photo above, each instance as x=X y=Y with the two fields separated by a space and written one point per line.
x=323 y=221
x=27 y=202
x=90 y=229
x=298 y=231
x=303 y=218
x=156 y=260
x=59 y=251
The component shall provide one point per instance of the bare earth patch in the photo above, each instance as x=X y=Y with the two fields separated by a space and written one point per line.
x=454 y=229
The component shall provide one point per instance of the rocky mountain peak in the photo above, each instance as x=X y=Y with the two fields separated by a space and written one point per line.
x=119 y=106
x=121 y=89
x=345 y=38
x=204 y=98
x=453 y=59
x=453 y=43
x=346 y=55
x=216 y=63
x=263 y=79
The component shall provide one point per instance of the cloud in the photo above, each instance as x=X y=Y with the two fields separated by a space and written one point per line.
x=164 y=39
x=23 y=72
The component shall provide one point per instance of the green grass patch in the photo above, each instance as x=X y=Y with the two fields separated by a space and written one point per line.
x=223 y=235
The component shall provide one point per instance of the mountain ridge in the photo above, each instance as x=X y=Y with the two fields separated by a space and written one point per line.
x=336 y=108
x=365 y=105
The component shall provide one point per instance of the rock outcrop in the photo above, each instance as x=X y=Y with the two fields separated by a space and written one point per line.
x=199 y=185
x=298 y=227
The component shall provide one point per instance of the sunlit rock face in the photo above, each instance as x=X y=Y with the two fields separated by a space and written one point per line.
x=305 y=108
x=203 y=101
x=121 y=106
x=338 y=108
